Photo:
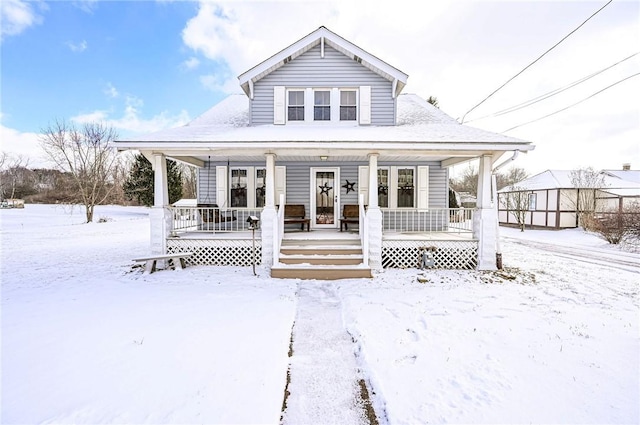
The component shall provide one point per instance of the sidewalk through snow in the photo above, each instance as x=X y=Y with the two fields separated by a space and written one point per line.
x=324 y=374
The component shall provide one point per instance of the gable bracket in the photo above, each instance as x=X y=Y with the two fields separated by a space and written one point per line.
x=322 y=47
x=251 y=88
x=394 y=85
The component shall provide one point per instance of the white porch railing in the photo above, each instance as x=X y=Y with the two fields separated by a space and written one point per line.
x=278 y=231
x=363 y=230
x=210 y=219
x=452 y=220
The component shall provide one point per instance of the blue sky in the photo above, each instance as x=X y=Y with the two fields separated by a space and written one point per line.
x=142 y=66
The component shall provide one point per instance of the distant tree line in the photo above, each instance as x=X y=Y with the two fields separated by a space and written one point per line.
x=88 y=171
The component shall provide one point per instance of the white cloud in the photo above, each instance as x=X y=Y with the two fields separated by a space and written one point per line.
x=87 y=6
x=18 y=15
x=191 y=63
x=131 y=121
x=77 y=47
x=111 y=91
x=26 y=145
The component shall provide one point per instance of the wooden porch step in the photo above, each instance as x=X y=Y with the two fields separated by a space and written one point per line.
x=320 y=272
x=321 y=258
x=321 y=250
x=317 y=258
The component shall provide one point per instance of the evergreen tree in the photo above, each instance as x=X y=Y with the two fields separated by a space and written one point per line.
x=139 y=183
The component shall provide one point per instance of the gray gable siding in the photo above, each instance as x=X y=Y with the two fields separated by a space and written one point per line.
x=334 y=70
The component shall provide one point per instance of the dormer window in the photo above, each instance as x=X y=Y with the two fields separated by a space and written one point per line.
x=348 y=105
x=295 y=106
x=322 y=105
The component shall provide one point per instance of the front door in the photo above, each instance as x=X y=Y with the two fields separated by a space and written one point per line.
x=325 y=190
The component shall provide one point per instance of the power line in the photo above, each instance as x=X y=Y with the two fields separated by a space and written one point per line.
x=570 y=106
x=551 y=93
x=540 y=57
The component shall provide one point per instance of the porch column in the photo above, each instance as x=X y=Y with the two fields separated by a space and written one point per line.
x=160 y=216
x=374 y=217
x=268 y=215
x=484 y=219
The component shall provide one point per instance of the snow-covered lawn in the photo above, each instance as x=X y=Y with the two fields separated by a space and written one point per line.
x=88 y=339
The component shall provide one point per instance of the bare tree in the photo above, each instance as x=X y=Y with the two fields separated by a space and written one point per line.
x=189 y=181
x=511 y=177
x=587 y=182
x=517 y=204
x=86 y=155
x=467 y=182
x=15 y=177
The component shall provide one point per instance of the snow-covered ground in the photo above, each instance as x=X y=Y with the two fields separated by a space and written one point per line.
x=86 y=338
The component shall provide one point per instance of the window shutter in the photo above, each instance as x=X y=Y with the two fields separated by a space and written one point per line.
x=423 y=187
x=365 y=104
x=363 y=183
x=221 y=185
x=280 y=183
x=279 y=105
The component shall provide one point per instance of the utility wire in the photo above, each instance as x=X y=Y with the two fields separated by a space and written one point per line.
x=570 y=106
x=540 y=57
x=550 y=94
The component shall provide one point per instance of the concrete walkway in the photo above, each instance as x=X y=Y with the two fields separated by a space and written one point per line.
x=324 y=385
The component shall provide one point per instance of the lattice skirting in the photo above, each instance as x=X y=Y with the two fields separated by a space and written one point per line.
x=218 y=252
x=448 y=254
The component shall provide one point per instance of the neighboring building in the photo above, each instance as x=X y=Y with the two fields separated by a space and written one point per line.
x=552 y=201
x=320 y=125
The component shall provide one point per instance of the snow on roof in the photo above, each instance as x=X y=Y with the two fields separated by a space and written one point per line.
x=418 y=121
x=629 y=175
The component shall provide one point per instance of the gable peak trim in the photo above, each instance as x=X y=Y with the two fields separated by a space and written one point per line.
x=323 y=37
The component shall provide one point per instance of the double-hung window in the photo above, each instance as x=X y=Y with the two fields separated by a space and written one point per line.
x=295 y=105
x=406 y=187
x=239 y=187
x=247 y=187
x=261 y=185
x=348 y=109
x=322 y=105
x=383 y=187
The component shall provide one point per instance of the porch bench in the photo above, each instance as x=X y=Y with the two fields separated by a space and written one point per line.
x=294 y=214
x=350 y=214
x=177 y=259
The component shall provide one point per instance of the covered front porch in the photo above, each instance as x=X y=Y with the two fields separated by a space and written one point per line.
x=446 y=233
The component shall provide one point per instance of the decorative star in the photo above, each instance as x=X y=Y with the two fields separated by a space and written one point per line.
x=382 y=189
x=349 y=186
x=325 y=188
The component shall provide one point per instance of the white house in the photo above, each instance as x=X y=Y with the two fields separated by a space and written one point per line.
x=319 y=126
x=553 y=201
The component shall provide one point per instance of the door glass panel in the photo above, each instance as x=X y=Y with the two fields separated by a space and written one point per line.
x=325 y=183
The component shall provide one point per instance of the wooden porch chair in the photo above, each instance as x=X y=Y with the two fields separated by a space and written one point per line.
x=350 y=214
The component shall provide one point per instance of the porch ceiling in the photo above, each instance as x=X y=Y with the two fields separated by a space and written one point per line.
x=324 y=155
